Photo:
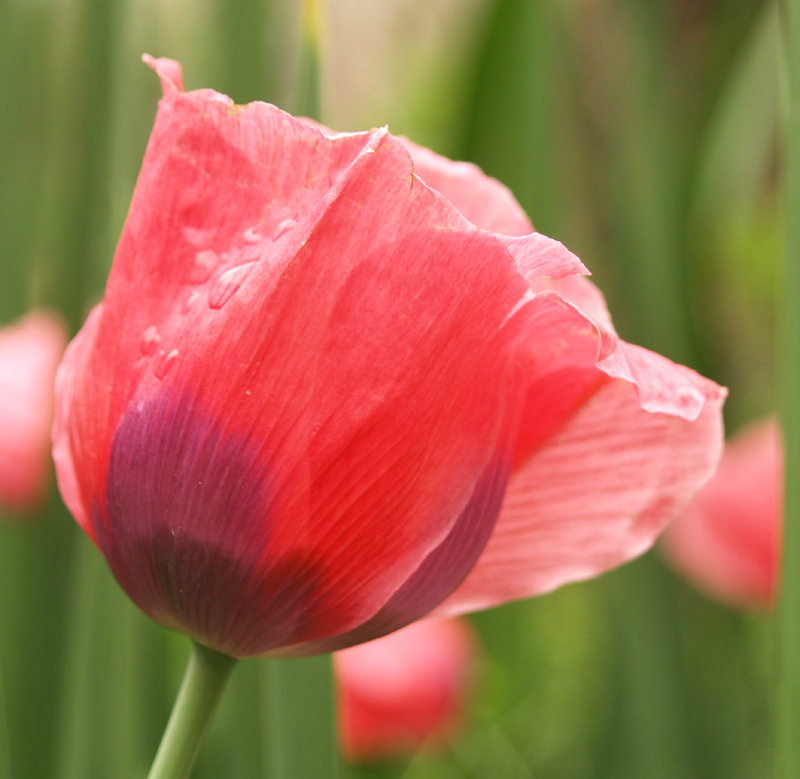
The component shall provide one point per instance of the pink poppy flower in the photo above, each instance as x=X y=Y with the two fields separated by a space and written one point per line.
x=30 y=351
x=727 y=542
x=404 y=690
x=291 y=423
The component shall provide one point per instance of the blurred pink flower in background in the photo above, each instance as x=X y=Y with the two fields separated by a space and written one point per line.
x=728 y=540
x=403 y=690
x=30 y=351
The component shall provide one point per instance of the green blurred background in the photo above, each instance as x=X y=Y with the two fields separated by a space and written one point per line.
x=644 y=134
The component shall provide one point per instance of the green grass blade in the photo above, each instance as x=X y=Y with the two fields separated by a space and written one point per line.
x=787 y=693
x=298 y=713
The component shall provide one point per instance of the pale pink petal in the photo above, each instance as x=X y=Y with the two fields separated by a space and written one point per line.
x=595 y=496
x=169 y=71
x=580 y=292
x=728 y=540
x=537 y=255
x=29 y=353
x=486 y=202
x=490 y=206
x=603 y=464
x=662 y=386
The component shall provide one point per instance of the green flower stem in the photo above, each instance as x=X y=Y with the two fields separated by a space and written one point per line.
x=203 y=683
x=787 y=693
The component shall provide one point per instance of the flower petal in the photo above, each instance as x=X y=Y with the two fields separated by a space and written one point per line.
x=486 y=202
x=578 y=291
x=70 y=447
x=598 y=473
x=169 y=71
x=537 y=255
x=366 y=367
x=439 y=573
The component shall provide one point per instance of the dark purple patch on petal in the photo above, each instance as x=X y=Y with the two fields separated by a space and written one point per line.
x=187 y=527
x=442 y=570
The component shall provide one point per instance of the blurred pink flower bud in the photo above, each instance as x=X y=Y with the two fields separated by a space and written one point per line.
x=403 y=690
x=30 y=351
x=728 y=540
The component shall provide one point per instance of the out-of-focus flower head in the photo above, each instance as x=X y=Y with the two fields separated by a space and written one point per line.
x=727 y=542
x=405 y=690
x=337 y=382
x=30 y=350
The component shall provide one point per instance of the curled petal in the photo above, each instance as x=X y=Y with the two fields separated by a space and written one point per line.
x=598 y=473
x=489 y=205
x=169 y=71
x=581 y=293
x=538 y=256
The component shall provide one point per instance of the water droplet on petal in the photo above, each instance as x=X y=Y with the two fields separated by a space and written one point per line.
x=165 y=364
x=197 y=237
x=189 y=301
x=283 y=227
x=224 y=287
x=204 y=264
x=150 y=340
x=251 y=236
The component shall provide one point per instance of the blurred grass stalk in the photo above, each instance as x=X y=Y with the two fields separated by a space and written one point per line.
x=298 y=712
x=5 y=756
x=787 y=693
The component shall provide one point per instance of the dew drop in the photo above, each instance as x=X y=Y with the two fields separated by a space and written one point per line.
x=204 y=264
x=224 y=287
x=150 y=340
x=686 y=398
x=283 y=227
x=197 y=237
x=189 y=301
x=165 y=364
x=251 y=236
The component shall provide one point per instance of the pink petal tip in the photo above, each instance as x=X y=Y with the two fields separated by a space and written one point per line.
x=169 y=71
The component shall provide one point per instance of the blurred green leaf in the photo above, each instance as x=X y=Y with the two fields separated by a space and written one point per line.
x=299 y=734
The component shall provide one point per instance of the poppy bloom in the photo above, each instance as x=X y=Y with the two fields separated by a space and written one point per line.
x=30 y=351
x=404 y=690
x=322 y=364
x=728 y=540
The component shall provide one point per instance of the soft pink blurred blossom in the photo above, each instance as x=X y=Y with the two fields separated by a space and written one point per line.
x=403 y=690
x=30 y=351
x=728 y=540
